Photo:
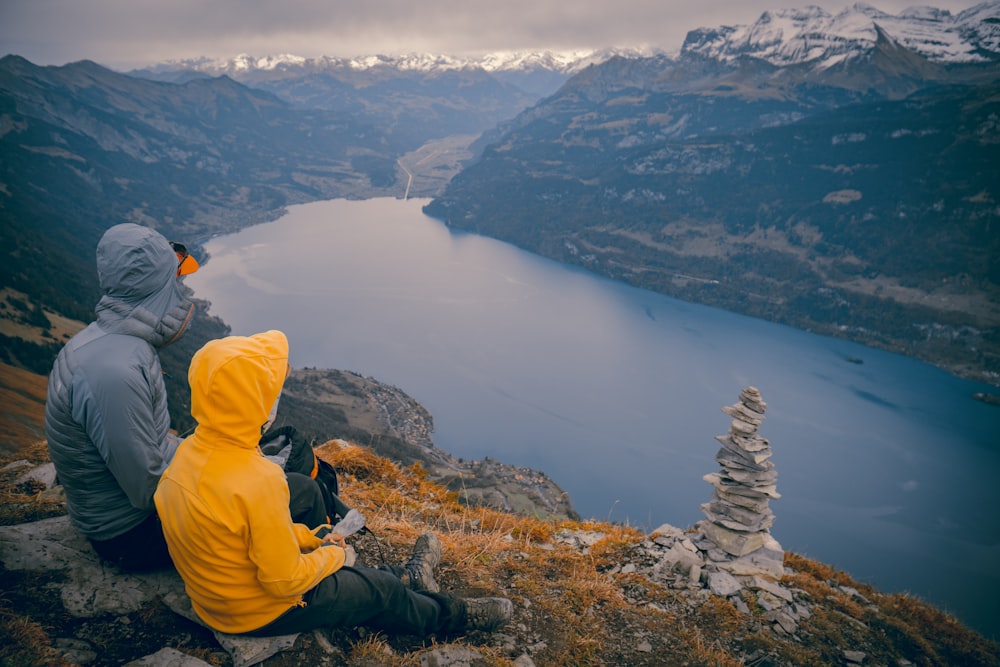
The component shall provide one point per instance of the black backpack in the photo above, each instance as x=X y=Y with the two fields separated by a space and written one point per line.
x=296 y=455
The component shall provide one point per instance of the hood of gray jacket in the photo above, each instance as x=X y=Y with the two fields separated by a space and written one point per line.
x=137 y=270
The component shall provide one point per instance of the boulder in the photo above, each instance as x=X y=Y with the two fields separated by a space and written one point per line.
x=93 y=588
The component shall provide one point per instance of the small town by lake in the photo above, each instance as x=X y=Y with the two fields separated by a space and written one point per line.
x=886 y=465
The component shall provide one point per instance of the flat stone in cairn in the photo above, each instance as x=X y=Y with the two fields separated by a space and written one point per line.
x=738 y=518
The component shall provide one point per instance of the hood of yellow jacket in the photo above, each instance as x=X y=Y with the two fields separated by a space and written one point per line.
x=234 y=383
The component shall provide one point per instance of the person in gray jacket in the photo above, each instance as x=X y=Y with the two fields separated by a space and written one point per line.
x=106 y=415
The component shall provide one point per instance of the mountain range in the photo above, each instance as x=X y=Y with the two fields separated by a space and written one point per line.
x=838 y=173
x=815 y=170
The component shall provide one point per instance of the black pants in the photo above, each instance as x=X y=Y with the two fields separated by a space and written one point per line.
x=375 y=598
x=143 y=548
x=140 y=549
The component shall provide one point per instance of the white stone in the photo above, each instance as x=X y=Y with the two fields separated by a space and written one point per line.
x=451 y=656
x=762 y=584
x=731 y=541
x=723 y=584
x=168 y=657
x=676 y=559
x=244 y=650
x=754 y=443
x=740 y=411
x=784 y=621
x=741 y=427
x=757 y=562
x=44 y=474
x=667 y=530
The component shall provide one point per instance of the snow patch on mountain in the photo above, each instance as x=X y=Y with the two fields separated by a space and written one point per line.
x=813 y=35
x=566 y=62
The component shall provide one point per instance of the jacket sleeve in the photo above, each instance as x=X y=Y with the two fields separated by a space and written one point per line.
x=282 y=569
x=118 y=415
x=306 y=537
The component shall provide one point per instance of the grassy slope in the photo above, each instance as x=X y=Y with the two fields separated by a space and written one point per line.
x=572 y=607
x=22 y=395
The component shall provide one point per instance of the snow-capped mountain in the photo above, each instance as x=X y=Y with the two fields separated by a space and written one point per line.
x=563 y=62
x=813 y=35
x=781 y=37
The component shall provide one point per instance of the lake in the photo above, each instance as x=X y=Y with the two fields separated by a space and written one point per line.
x=887 y=467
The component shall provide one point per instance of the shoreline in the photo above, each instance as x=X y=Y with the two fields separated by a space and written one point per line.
x=962 y=371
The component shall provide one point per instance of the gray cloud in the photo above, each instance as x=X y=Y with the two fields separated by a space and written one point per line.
x=126 y=33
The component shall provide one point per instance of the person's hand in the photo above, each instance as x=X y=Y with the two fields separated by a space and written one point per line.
x=336 y=540
x=350 y=555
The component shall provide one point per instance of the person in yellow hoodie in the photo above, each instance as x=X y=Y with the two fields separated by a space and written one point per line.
x=247 y=567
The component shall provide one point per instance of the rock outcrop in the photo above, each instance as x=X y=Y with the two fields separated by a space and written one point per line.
x=93 y=589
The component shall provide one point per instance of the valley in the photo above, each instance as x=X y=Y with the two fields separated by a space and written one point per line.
x=849 y=190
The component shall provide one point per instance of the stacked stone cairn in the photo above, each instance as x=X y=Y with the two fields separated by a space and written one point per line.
x=738 y=517
x=730 y=553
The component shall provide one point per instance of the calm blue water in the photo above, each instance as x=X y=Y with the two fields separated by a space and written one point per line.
x=886 y=469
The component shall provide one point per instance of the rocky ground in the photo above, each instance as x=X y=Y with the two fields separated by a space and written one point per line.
x=584 y=594
x=587 y=593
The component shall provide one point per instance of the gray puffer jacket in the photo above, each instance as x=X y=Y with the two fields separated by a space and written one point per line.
x=106 y=413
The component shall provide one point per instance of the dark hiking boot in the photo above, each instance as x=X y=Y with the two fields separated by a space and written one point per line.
x=487 y=614
x=418 y=572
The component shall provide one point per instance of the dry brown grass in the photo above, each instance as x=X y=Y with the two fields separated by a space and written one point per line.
x=374 y=651
x=24 y=641
x=570 y=607
x=21 y=502
x=22 y=397
x=585 y=616
x=907 y=620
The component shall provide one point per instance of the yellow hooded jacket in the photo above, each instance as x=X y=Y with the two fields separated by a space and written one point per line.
x=224 y=507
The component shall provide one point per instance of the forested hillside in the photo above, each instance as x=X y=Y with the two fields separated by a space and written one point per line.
x=861 y=201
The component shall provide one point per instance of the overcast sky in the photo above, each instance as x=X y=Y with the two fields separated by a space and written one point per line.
x=128 y=33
